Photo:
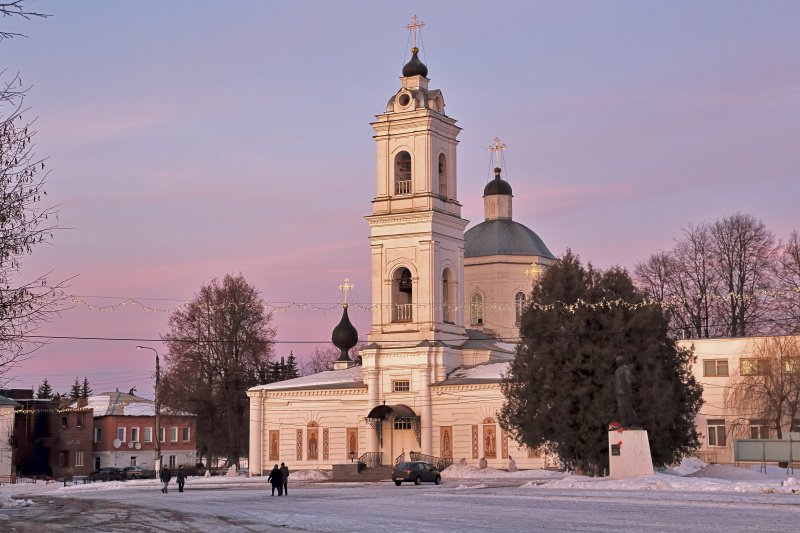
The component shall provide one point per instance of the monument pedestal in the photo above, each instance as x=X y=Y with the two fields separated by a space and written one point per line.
x=629 y=454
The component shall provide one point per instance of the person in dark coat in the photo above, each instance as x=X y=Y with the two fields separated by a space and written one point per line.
x=165 y=477
x=276 y=478
x=180 y=478
x=285 y=476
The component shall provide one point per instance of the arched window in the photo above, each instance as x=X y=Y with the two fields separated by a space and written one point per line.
x=476 y=309
x=402 y=173
x=402 y=296
x=442 y=175
x=519 y=306
x=448 y=293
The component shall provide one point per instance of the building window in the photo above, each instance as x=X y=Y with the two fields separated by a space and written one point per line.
x=442 y=176
x=121 y=434
x=63 y=458
x=173 y=434
x=402 y=173
x=476 y=309
x=98 y=433
x=172 y=462
x=716 y=432
x=402 y=423
x=162 y=434
x=403 y=385
x=134 y=434
x=715 y=367
x=80 y=419
x=185 y=434
x=133 y=460
x=519 y=307
x=448 y=297
x=759 y=429
x=79 y=458
x=402 y=291
x=64 y=421
x=148 y=434
x=754 y=367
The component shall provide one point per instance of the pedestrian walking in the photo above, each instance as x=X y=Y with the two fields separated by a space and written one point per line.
x=180 y=478
x=285 y=477
x=276 y=478
x=165 y=477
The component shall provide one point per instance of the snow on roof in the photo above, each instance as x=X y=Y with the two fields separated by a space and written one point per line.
x=485 y=373
x=329 y=379
x=120 y=404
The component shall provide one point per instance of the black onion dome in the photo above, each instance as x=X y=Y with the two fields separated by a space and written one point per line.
x=415 y=67
x=344 y=336
x=497 y=185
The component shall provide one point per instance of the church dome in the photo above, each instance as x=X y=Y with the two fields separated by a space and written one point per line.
x=503 y=237
x=344 y=336
x=497 y=186
x=415 y=67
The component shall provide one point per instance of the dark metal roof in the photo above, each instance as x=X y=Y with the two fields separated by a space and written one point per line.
x=8 y=402
x=503 y=237
x=344 y=336
x=382 y=411
x=415 y=67
x=497 y=186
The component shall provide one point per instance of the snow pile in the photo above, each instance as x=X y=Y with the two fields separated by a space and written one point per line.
x=7 y=501
x=457 y=471
x=688 y=466
x=308 y=475
x=462 y=486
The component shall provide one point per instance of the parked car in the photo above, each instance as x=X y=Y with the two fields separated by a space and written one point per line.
x=139 y=472
x=109 y=473
x=416 y=471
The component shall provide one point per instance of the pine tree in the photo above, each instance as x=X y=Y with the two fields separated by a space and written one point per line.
x=291 y=370
x=278 y=370
x=560 y=387
x=75 y=391
x=45 y=391
x=86 y=390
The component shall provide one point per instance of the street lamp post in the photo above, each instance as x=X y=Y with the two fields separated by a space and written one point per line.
x=158 y=408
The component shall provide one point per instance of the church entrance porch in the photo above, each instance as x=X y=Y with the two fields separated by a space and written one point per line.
x=398 y=431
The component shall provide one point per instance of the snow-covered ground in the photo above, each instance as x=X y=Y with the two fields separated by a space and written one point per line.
x=692 y=497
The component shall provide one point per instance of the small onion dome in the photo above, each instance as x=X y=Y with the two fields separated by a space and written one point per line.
x=344 y=336
x=497 y=185
x=415 y=67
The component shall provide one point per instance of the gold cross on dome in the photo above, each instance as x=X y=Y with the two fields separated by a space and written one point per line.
x=497 y=148
x=346 y=287
x=415 y=26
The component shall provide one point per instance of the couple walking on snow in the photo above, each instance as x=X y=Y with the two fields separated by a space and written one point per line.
x=166 y=476
x=279 y=477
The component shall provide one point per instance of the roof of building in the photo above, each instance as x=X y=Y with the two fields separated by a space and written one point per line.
x=330 y=379
x=497 y=186
x=415 y=67
x=483 y=373
x=503 y=237
x=8 y=402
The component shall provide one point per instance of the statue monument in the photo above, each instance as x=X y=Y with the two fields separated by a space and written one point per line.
x=628 y=445
x=622 y=388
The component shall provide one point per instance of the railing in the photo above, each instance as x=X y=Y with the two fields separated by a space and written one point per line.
x=402 y=187
x=400 y=459
x=440 y=463
x=402 y=313
x=371 y=459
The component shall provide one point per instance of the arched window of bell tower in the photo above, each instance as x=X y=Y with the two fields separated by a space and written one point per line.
x=519 y=307
x=402 y=173
x=448 y=296
x=402 y=296
x=442 y=175
x=476 y=309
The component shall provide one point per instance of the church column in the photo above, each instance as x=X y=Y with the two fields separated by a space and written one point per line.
x=256 y=432
x=373 y=398
x=426 y=414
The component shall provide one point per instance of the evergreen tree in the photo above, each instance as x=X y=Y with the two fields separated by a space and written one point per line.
x=560 y=387
x=75 y=391
x=278 y=370
x=291 y=370
x=86 y=390
x=45 y=391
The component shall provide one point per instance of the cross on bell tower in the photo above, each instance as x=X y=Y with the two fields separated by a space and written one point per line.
x=497 y=148
x=415 y=26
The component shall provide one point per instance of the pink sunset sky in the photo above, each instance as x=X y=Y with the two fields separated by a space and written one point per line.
x=191 y=139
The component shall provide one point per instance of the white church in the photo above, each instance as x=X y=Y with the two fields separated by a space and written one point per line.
x=445 y=310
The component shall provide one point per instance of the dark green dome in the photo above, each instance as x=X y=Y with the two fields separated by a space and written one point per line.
x=503 y=237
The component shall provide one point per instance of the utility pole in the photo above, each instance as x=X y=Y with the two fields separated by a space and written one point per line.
x=158 y=408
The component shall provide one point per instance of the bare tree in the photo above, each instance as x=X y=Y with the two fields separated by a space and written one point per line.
x=744 y=259
x=16 y=8
x=788 y=274
x=320 y=360
x=220 y=344
x=24 y=222
x=766 y=386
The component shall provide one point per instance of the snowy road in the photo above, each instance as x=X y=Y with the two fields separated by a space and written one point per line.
x=453 y=506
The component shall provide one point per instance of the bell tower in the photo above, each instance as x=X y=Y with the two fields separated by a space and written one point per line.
x=416 y=229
